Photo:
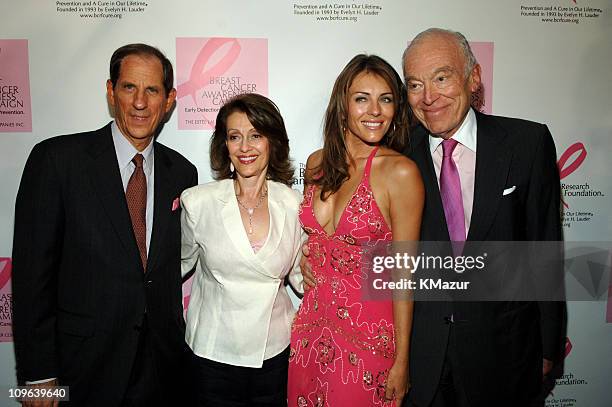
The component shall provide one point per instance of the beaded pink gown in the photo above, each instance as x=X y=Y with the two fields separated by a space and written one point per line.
x=342 y=347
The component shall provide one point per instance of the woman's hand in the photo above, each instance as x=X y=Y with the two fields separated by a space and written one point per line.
x=398 y=383
x=309 y=279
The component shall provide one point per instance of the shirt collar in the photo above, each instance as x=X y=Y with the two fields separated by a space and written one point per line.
x=126 y=151
x=466 y=135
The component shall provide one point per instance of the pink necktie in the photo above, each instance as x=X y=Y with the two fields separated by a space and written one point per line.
x=450 y=191
x=136 y=196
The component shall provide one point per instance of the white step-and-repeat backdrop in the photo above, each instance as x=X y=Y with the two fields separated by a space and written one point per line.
x=544 y=60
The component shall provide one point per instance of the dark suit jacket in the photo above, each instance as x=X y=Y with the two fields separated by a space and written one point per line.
x=498 y=345
x=79 y=288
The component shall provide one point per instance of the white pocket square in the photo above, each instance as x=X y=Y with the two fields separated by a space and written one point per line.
x=508 y=191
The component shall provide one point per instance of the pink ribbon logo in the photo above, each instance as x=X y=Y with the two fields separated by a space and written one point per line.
x=566 y=168
x=568 y=347
x=200 y=74
x=5 y=271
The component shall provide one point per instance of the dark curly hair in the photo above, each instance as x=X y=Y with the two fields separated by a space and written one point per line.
x=266 y=119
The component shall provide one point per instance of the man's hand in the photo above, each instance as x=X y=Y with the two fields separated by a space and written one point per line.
x=309 y=280
x=41 y=402
x=547 y=366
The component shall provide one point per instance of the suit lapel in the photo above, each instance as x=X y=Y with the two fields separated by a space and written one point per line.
x=493 y=158
x=277 y=222
x=162 y=204
x=232 y=222
x=106 y=180
x=434 y=222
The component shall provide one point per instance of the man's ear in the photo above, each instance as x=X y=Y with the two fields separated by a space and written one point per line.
x=475 y=78
x=170 y=99
x=110 y=93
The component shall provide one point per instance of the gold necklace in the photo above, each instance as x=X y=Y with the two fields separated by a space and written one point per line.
x=250 y=211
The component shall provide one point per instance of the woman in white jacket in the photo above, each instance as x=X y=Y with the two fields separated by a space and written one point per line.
x=242 y=235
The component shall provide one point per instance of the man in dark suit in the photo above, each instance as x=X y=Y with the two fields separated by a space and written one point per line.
x=487 y=178
x=96 y=250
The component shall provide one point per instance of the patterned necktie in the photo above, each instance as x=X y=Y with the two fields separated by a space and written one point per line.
x=136 y=195
x=450 y=191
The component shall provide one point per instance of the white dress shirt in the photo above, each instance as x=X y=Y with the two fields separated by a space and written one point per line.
x=239 y=311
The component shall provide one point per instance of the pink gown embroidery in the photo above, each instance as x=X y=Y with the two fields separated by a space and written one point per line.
x=341 y=346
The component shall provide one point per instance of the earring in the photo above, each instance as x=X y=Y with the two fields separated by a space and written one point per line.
x=232 y=167
x=393 y=127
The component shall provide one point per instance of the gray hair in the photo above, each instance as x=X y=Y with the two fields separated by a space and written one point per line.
x=462 y=42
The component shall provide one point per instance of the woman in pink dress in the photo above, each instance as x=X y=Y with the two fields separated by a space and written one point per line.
x=347 y=351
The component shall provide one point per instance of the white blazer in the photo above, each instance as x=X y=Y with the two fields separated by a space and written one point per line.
x=239 y=305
